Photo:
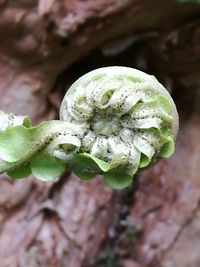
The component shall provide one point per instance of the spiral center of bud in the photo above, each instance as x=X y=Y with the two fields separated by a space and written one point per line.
x=105 y=124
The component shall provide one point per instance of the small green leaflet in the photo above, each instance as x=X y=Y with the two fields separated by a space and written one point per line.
x=21 y=172
x=46 y=168
x=167 y=149
x=117 y=179
x=15 y=143
x=43 y=167
x=21 y=151
x=86 y=166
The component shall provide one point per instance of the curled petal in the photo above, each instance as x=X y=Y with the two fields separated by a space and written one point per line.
x=146 y=144
x=99 y=148
x=65 y=142
x=88 y=141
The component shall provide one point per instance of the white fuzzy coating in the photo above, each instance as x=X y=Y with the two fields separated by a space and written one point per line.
x=10 y=120
x=116 y=105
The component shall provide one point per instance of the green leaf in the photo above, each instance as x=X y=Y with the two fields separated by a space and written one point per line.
x=167 y=149
x=20 y=172
x=144 y=161
x=117 y=179
x=163 y=102
x=4 y=165
x=27 y=122
x=19 y=144
x=46 y=168
x=15 y=143
x=104 y=166
x=85 y=167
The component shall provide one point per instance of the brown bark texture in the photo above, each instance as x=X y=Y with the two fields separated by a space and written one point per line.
x=44 y=46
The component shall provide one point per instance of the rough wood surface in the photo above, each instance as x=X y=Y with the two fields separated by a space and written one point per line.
x=64 y=223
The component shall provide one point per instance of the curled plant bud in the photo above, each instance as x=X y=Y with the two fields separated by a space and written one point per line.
x=113 y=121
x=129 y=121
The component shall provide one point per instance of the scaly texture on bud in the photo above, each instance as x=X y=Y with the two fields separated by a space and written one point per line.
x=115 y=121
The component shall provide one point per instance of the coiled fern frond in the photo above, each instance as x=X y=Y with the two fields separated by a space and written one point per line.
x=113 y=122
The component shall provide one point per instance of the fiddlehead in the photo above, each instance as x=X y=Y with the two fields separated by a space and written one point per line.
x=114 y=121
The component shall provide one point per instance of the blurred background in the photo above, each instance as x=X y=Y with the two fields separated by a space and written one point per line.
x=45 y=45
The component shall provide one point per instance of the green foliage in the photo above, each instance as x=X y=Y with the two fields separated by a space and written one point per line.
x=46 y=168
x=25 y=151
x=20 y=172
x=121 y=120
x=117 y=179
x=86 y=166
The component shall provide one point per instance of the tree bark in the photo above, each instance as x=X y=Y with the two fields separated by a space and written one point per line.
x=66 y=222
